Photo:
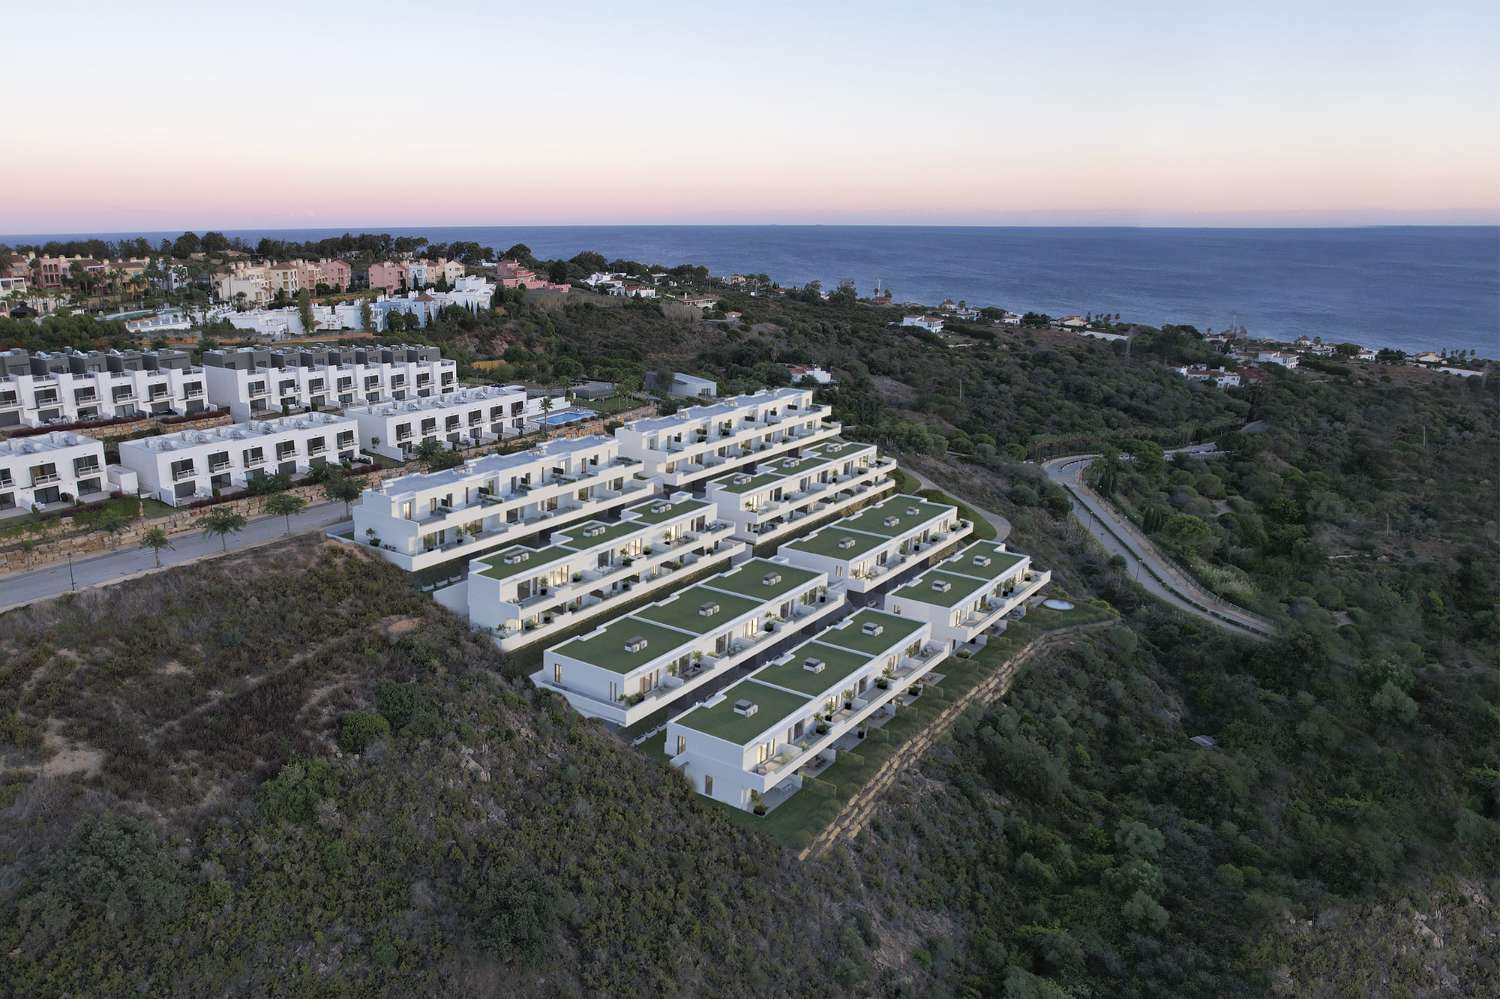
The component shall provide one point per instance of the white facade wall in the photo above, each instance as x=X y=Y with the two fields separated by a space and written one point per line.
x=472 y=415
x=253 y=392
x=706 y=440
x=66 y=397
x=424 y=519
x=873 y=560
x=50 y=468
x=182 y=467
x=835 y=480
x=979 y=611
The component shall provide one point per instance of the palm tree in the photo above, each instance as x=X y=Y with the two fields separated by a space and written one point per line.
x=546 y=408
x=223 y=522
x=342 y=488
x=156 y=539
x=285 y=505
x=429 y=450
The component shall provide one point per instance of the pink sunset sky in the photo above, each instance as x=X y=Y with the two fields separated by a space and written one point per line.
x=159 y=116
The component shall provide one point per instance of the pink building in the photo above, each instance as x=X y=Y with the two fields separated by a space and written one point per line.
x=510 y=274
x=387 y=276
x=334 y=273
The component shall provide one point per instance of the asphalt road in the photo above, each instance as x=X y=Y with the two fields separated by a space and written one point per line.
x=21 y=588
x=1157 y=574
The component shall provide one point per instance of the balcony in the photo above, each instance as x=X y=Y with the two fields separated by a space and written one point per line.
x=43 y=478
x=91 y=468
x=179 y=474
x=215 y=467
x=255 y=461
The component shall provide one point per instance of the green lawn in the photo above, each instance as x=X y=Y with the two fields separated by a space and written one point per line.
x=609 y=407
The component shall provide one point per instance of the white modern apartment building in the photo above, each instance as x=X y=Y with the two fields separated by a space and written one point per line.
x=702 y=440
x=781 y=496
x=194 y=464
x=58 y=467
x=70 y=387
x=749 y=744
x=870 y=548
x=966 y=597
x=525 y=594
x=417 y=521
x=637 y=664
x=465 y=417
x=254 y=382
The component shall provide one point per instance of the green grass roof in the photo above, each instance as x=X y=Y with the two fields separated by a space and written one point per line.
x=648 y=512
x=606 y=648
x=536 y=560
x=963 y=563
x=579 y=541
x=750 y=579
x=872 y=519
x=850 y=633
x=740 y=483
x=838 y=448
x=682 y=610
x=838 y=664
x=960 y=588
x=829 y=542
x=722 y=721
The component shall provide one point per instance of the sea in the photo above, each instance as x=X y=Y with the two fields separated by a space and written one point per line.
x=1414 y=288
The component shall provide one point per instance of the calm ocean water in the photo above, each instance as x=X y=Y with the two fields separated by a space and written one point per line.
x=1416 y=288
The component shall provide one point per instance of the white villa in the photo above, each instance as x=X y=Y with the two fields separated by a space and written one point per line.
x=525 y=594
x=870 y=548
x=636 y=665
x=420 y=520
x=749 y=744
x=967 y=596
x=57 y=467
x=779 y=497
x=700 y=440
x=194 y=464
x=469 y=416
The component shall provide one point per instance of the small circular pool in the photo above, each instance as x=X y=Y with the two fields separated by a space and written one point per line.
x=1056 y=604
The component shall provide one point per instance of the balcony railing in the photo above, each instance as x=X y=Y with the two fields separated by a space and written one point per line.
x=42 y=478
x=190 y=472
x=219 y=466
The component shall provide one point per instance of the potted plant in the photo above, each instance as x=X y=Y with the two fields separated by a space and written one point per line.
x=822 y=727
x=757 y=803
x=883 y=683
x=374 y=538
x=577 y=577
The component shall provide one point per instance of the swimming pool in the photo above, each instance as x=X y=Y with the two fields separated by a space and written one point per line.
x=566 y=416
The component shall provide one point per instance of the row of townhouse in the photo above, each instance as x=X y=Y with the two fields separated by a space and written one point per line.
x=192 y=465
x=424 y=519
x=465 y=417
x=701 y=441
x=871 y=548
x=252 y=382
x=69 y=387
x=750 y=744
x=57 y=467
x=523 y=594
x=637 y=664
x=970 y=595
x=472 y=294
x=779 y=497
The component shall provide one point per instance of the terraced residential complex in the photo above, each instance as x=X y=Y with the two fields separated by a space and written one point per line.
x=636 y=665
x=750 y=744
x=420 y=520
x=700 y=440
x=867 y=550
x=525 y=594
x=779 y=497
x=966 y=596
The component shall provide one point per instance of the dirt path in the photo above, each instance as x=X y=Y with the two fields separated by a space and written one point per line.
x=858 y=809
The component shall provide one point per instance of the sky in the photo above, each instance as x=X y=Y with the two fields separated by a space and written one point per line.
x=164 y=116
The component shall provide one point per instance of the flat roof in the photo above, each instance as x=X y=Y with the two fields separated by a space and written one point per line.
x=722 y=722
x=588 y=535
x=959 y=588
x=458 y=397
x=837 y=447
x=1000 y=561
x=56 y=440
x=838 y=664
x=756 y=579
x=240 y=432
x=490 y=464
x=659 y=511
x=739 y=483
x=497 y=566
x=723 y=407
x=682 y=610
x=872 y=519
x=606 y=647
x=829 y=541
x=849 y=633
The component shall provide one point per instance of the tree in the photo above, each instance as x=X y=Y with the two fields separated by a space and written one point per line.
x=285 y=505
x=305 y=312
x=112 y=524
x=366 y=316
x=342 y=489
x=156 y=539
x=429 y=450
x=546 y=409
x=222 y=523
x=557 y=272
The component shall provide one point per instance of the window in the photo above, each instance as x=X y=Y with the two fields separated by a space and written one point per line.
x=708 y=785
x=557 y=677
x=681 y=744
x=762 y=752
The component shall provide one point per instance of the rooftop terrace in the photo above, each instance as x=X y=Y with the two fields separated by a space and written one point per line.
x=698 y=610
x=761 y=579
x=722 y=721
x=614 y=647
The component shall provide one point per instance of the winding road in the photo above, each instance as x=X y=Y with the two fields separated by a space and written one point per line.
x=1158 y=574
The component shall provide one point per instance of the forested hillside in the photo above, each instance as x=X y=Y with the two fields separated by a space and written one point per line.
x=292 y=774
